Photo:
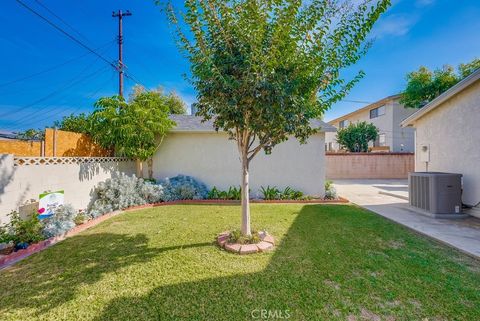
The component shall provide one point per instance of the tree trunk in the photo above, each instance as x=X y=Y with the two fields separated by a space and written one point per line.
x=150 y=167
x=246 y=230
x=139 y=168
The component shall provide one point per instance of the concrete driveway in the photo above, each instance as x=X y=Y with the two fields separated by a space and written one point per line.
x=389 y=198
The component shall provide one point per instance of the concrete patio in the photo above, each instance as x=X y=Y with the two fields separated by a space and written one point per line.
x=389 y=198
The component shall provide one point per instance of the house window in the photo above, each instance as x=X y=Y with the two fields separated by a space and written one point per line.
x=343 y=124
x=376 y=112
x=382 y=140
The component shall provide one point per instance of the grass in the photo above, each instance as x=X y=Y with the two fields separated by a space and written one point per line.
x=334 y=262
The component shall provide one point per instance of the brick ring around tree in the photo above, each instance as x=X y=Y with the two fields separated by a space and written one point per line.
x=267 y=243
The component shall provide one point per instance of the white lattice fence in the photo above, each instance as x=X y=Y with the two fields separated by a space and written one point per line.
x=28 y=161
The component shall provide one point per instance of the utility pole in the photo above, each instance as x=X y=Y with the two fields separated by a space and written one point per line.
x=120 y=66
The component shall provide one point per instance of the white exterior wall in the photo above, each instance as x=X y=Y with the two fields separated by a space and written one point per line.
x=388 y=124
x=19 y=184
x=214 y=160
x=403 y=138
x=452 y=132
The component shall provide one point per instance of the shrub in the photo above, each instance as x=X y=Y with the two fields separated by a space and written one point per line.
x=123 y=191
x=273 y=193
x=183 y=187
x=291 y=194
x=236 y=236
x=5 y=236
x=60 y=222
x=80 y=218
x=270 y=193
x=21 y=230
x=233 y=193
x=330 y=192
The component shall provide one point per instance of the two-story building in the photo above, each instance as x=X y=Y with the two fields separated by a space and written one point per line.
x=386 y=114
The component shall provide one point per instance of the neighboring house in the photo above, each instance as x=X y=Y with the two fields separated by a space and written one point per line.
x=448 y=134
x=194 y=148
x=386 y=114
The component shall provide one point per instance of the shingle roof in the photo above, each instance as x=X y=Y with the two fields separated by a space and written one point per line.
x=190 y=123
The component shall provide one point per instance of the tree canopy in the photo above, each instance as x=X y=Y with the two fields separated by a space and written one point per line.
x=424 y=85
x=264 y=69
x=355 y=137
x=132 y=129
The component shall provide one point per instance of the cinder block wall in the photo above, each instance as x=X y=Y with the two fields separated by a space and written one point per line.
x=369 y=165
x=61 y=143
x=19 y=184
x=21 y=147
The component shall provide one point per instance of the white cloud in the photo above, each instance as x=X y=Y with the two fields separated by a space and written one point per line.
x=423 y=3
x=394 y=25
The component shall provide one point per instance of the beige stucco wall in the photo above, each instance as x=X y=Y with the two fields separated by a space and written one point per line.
x=453 y=133
x=22 y=183
x=388 y=124
x=213 y=159
x=369 y=165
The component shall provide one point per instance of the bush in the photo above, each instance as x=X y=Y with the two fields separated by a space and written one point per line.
x=236 y=236
x=61 y=222
x=123 y=191
x=183 y=187
x=330 y=192
x=80 y=218
x=356 y=137
x=21 y=231
x=273 y=193
x=233 y=193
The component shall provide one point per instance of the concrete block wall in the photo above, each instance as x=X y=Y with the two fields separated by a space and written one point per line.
x=369 y=165
x=20 y=183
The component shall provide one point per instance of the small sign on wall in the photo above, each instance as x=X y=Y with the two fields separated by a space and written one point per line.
x=48 y=202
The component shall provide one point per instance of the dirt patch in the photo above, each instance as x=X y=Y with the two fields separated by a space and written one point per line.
x=332 y=284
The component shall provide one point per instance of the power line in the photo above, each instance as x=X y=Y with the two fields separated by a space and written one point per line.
x=61 y=19
x=52 y=67
x=79 y=42
x=51 y=94
x=28 y=119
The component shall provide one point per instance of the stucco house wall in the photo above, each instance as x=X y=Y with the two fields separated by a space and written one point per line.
x=452 y=133
x=213 y=159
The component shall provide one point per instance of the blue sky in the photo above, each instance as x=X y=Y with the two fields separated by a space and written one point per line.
x=410 y=34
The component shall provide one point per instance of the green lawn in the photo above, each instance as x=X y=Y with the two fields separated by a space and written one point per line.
x=332 y=262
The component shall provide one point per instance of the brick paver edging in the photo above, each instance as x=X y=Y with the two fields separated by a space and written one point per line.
x=266 y=244
x=340 y=200
x=37 y=247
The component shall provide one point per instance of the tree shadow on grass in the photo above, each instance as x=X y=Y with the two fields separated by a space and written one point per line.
x=330 y=265
x=53 y=278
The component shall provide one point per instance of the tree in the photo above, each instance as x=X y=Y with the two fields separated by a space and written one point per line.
x=175 y=104
x=424 y=85
x=467 y=69
x=133 y=129
x=31 y=134
x=356 y=136
x=80 y=123
x=264 y=69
